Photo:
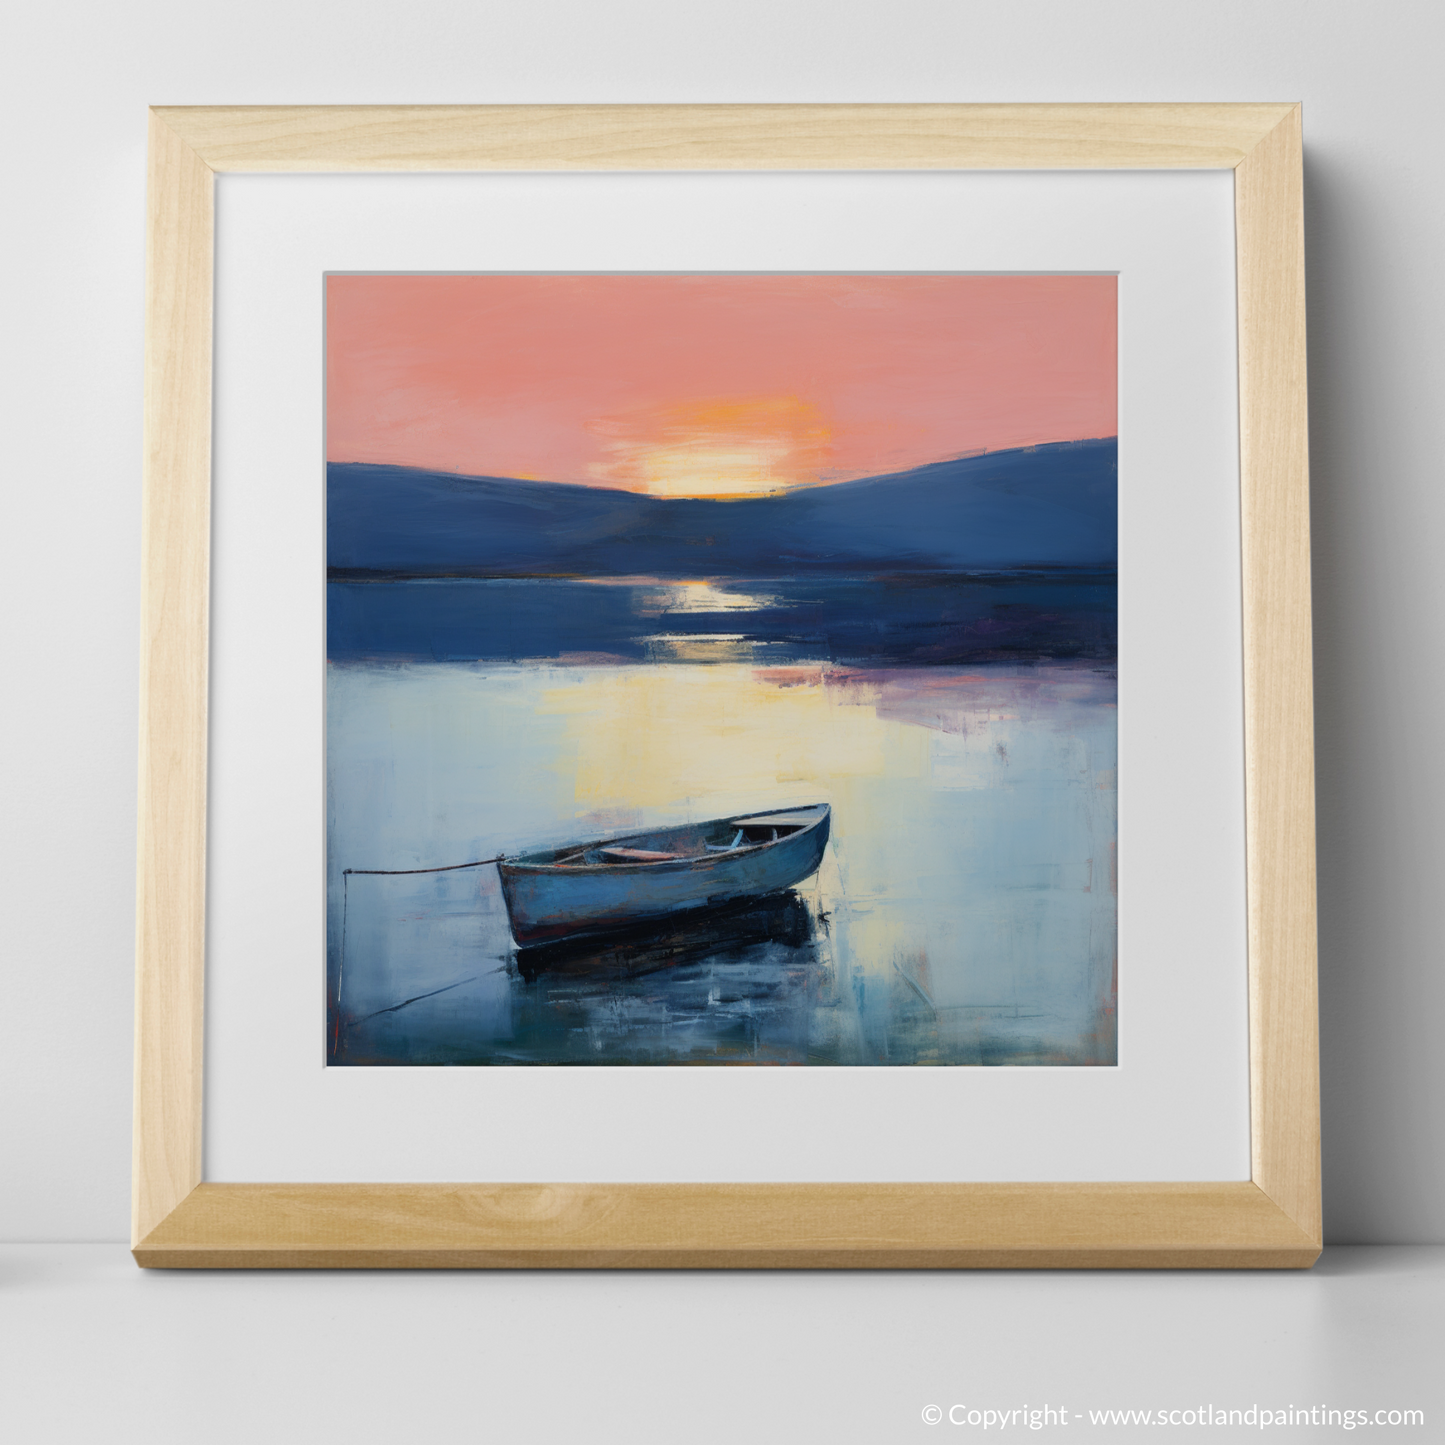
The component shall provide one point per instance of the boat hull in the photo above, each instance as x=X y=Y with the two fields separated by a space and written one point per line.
x=549 y=901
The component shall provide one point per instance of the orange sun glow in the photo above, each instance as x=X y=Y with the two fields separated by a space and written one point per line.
x=714 y=447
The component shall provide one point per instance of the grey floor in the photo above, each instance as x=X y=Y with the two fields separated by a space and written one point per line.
x=94 y=1350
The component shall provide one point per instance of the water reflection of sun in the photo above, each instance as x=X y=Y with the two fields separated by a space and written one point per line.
x=650 y=737
x=715 y=447
x=662 y=598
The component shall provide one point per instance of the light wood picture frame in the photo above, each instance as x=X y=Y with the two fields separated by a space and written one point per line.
x=1271 y=1220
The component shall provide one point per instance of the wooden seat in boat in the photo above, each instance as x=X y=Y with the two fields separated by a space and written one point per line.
x=636 y=855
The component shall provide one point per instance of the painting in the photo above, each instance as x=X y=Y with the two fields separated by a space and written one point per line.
x=721 y=670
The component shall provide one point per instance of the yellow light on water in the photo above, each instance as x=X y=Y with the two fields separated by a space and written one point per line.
x=658 y=738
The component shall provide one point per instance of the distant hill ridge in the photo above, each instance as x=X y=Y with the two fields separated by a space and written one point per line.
x=1047 y=506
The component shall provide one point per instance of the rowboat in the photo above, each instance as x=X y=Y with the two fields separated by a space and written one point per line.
x=587 y=889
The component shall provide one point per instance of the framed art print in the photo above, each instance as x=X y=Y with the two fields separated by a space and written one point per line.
x=763 y=627
x=732 y=674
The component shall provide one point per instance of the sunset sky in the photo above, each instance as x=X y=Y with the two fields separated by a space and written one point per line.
x=712 y=385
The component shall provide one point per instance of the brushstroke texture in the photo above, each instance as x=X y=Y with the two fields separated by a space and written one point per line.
x=919 y=619
x=709 y=384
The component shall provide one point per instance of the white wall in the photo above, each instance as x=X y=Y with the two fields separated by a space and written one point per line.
x=77 y=78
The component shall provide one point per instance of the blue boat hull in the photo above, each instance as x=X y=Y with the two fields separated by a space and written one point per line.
x=564 y=894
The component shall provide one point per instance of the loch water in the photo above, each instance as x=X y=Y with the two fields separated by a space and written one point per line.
x=964 y=913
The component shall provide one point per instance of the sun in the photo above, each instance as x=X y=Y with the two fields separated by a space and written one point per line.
x=715 y=447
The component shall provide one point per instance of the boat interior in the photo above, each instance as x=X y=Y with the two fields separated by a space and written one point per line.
x=670 y=845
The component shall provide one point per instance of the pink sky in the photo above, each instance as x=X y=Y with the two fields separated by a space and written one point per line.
x=709 y=384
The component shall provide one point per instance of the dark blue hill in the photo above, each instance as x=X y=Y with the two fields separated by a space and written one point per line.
x=1049 y=506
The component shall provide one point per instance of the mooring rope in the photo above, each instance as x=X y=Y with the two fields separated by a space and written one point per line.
x=346 y=904
x=445 y=868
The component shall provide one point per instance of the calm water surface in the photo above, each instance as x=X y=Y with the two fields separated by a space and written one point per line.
x=964 y=912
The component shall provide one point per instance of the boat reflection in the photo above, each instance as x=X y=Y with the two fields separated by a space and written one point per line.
x=781 y=918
